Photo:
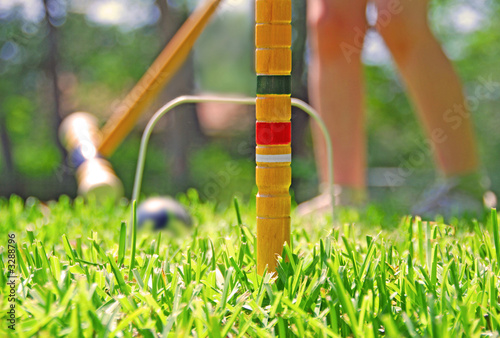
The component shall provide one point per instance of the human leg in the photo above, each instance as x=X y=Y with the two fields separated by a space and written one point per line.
x=336 y=33
x=432 y=83
x=438 y=96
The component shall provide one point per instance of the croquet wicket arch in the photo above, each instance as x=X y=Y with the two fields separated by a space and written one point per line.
x=273 y=63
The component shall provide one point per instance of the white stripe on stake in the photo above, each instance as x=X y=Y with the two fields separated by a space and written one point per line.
x=273 y=158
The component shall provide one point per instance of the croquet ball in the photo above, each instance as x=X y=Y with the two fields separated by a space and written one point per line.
x=163 y=213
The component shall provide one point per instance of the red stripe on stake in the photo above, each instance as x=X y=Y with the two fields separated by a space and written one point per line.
x=271 y=133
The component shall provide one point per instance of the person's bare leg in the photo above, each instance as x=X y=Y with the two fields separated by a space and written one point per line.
x=336 y=33
x=437 y=94
x=432 y=83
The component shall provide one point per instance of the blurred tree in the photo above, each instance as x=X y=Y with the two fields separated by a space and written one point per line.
x=183 y=130
x=54 y=12
x=299 y=77
x=103 y=47
x=10 y=177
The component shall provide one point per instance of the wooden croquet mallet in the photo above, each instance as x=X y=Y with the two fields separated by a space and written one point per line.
x=95 y=177
x=273 y=63
x=156 y=77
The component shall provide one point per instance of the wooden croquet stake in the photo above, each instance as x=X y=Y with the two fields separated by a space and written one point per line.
x=156 y=77
x=273 y=63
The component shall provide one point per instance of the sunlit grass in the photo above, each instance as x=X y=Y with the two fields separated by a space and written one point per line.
x=413 y=278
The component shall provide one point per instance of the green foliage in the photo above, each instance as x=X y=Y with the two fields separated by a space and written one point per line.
x=99 y=63
x=218 y=174
x=224 y=55
x=418 y=279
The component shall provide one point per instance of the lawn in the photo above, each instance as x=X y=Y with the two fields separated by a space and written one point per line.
x=368 y=275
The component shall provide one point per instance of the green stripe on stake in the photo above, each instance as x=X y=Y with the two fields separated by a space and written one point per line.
x=274 y=84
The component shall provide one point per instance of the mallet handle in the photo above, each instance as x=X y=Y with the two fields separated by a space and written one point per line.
x=156 y=77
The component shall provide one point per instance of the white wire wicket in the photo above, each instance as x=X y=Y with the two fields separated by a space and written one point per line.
x=139 y=172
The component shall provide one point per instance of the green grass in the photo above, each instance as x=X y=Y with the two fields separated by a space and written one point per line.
x=368 y=279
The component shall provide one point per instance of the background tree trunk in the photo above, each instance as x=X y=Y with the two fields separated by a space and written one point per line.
x=183 y=130
x=300 y=124
x=51 y=69
x=8 y=182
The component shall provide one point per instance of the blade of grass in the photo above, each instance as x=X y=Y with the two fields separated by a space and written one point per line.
x=134 y=239
x=67 y=248
x=345 y=300
x=119 y=277
x=122 y=244
x=237 y=209
x=496 y=235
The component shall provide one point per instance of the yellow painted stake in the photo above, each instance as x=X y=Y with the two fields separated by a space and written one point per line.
x=273 y=63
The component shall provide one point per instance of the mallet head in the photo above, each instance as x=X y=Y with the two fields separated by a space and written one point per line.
x=95 y=176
